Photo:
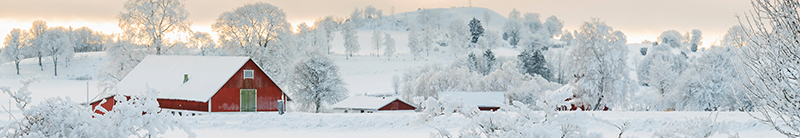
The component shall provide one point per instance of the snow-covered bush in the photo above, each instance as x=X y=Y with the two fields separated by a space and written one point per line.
x=708 y=84
x=137 y=116
x=516 y=120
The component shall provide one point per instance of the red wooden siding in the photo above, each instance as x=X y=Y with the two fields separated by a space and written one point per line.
x=397 y=105
x=108 y=105
x=267 y=92
x=183 y=105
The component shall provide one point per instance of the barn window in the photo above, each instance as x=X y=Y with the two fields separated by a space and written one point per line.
x=248 y=74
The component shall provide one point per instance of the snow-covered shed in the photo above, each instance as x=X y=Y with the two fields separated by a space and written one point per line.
x=366 y=104
x=486 y=101
x=202 y=84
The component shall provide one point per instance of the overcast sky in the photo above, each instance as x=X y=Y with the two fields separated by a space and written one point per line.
x=638 y=19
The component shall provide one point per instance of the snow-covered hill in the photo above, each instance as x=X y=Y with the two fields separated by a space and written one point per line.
x=465 y=14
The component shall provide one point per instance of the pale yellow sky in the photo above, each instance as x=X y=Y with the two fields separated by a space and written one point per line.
x=638 y=19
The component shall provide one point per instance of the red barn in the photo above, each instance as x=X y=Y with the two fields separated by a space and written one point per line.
x=365 y=104
x=202 y=84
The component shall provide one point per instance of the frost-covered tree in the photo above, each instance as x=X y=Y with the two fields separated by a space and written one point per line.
x=557 y=61
x=459 y=36
x=328 y=24
x=370 y=12
x=475 y=29
x=203 y=41
x=317 y=83
x=377 y=41
x=735 y=37
x=598 y=65
x=553 y=26
x=257 y=24
x=56 y=43
x=14 y=43
x=390 y=46
x=661 y=67
x=695 y=40
x=770 y=62
x=260 y=31
x=671 y=37
x=357 y=17
x=149 y=22
x=429 y=24
x=350 y=38
x=491 y=39
x=87 y=40
x=533 y=62
x=532 y=23
x=567 y=38
x=514 y=14
x=413 y=42
x=396 y=84
x=534 y=40
x=123 y=57
x=35 y=49
x=511 y=31
x=708 y=84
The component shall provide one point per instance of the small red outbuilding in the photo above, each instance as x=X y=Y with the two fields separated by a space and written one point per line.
x=202 y=84
x=365 y=104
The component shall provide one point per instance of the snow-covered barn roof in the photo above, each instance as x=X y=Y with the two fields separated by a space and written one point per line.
x=364 y=102
x=207 y=74
x=480 y=99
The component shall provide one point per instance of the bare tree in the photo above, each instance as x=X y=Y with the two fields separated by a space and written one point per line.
x=771 y=63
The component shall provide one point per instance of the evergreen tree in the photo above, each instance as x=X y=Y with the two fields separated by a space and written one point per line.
x=475 y=29
x=533 y=62
x=490 y=61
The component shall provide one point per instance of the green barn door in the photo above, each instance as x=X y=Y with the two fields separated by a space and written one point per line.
x=248 y=100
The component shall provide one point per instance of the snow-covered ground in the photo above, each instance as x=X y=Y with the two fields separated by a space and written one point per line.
x=405 y=125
